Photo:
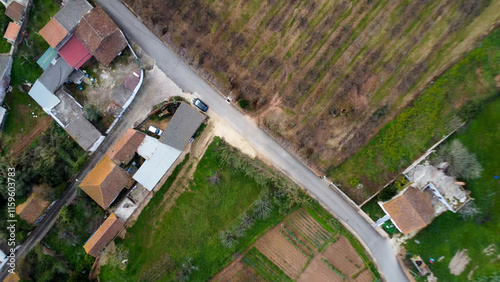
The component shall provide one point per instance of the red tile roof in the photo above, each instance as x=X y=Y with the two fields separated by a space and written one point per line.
x=12 y=31
x=410 y=211
x=101 y=36
x=53 y=32
x=15 y=11
x=74 y=53
x=101 y=238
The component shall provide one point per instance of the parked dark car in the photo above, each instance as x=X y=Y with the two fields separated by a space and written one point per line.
x=200 y=105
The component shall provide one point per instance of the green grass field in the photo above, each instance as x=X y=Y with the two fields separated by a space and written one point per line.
x=20 y=118
x=428 y=118
x=25 y=67
x=449 y=233
x=4 y=22
x=158 y=246
x=160 y=243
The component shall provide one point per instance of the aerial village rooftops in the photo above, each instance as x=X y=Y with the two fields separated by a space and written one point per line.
x=32 y=208
x=46 y=99
x=410 y=211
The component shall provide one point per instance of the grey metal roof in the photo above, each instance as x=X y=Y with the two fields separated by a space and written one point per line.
x=43 y=96
x=70 y=114
x=71 y=13
x=84 y=133
x=55 y=75
x=120 y=95
x=182 y=126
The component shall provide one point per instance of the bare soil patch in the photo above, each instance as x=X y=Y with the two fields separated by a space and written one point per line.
x=317 y=270
x=237 y=271
x=24 y=140
x=459 y=262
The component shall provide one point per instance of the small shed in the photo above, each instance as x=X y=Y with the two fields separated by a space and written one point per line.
x=32 y=209
x=103 y=235
x=12 y=32
x=182 y=126
x=47 y=58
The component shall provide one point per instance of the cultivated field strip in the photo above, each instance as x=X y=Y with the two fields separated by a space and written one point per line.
x=282 y=253
x=343 y=257
x=309 y=228
x=264 y=266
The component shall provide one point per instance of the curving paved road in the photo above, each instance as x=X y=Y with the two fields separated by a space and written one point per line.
x=190 y=81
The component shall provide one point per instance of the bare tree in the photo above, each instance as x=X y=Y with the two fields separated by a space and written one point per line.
x=463 y=164
x=214 y=179
x=469 y=211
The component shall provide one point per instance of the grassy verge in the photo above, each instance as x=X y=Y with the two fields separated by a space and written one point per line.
x=424 y=122
x=449 y=232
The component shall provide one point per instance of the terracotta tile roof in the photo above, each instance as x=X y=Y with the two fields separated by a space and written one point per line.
x=100 y=35
x=105 y=182
x=53 y=32
x=12 y=31
x=110 y=47
x=15 y=11
x=124 y=149
x=74 y=53
x=101 y=238
x=410 y=211
x=32 y=209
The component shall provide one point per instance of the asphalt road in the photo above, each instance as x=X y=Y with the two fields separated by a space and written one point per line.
x=190 y=81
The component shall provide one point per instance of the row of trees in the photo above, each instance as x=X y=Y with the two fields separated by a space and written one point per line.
x=278 y=194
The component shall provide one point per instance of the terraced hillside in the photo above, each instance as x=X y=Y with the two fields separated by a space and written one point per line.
x=322 y=76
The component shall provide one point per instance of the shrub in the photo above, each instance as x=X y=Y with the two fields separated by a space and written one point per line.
x=387 y=193
x=243 y=103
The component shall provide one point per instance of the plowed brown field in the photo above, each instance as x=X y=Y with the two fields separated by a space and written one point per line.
x=282 y=253
x=318 y=271
x=237 y=271
x=343 y=257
